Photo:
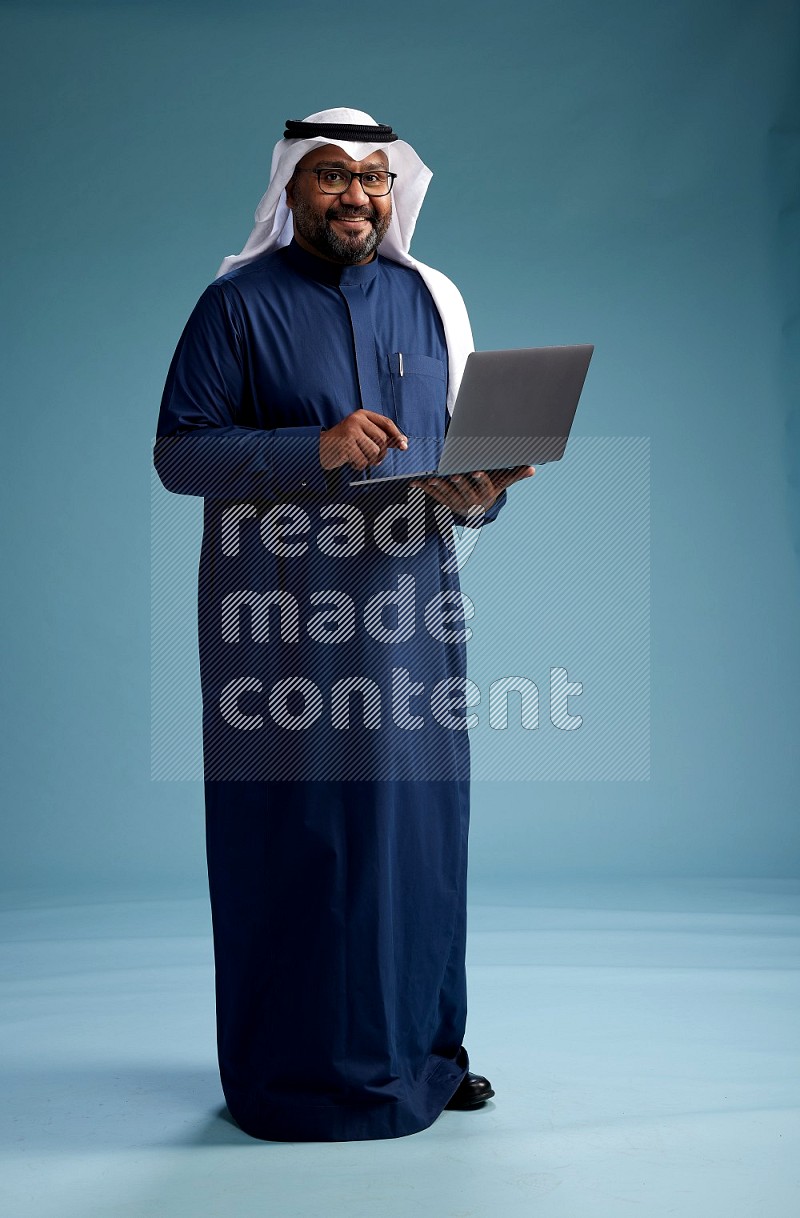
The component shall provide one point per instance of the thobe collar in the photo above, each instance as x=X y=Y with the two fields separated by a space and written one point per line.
x=329 y=272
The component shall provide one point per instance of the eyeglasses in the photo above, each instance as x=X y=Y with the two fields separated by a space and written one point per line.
x=337 y=181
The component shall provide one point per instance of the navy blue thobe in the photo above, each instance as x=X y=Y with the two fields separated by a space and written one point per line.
x=336 y=784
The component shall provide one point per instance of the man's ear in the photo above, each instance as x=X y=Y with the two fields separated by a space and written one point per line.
x=290 y=192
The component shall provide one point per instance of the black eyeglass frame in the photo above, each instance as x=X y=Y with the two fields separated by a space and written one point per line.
x=318 y=169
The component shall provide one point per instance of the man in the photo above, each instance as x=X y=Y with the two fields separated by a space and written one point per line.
x=336 y=823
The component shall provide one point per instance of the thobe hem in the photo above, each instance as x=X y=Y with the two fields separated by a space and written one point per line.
x=280 y=1118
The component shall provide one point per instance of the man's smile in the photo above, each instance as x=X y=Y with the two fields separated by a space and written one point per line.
x=352 y=221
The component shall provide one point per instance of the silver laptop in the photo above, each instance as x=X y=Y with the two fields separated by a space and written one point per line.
x=513 y=408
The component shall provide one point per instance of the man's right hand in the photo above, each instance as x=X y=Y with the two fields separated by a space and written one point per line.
x=361 y=439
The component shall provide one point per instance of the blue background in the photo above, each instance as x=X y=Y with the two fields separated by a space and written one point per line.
x=619 y=174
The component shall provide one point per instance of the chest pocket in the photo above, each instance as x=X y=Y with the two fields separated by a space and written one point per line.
x=419 y=391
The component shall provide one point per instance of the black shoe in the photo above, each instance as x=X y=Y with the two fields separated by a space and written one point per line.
x=472 y=1091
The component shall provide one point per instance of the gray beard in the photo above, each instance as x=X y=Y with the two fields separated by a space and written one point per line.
x=317 y=231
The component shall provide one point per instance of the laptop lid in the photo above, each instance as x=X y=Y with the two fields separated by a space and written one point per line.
x=513 y=408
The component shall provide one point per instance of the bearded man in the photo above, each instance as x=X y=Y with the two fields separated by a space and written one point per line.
x=336 y=764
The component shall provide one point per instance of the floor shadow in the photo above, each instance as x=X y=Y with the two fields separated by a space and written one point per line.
x=93 y=1108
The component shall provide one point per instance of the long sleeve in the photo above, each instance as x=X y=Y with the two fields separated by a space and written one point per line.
x=199 y=448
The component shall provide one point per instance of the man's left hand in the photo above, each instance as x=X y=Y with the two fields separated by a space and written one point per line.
x=477 y=489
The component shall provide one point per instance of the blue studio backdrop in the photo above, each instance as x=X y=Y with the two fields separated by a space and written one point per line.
x=623 y=175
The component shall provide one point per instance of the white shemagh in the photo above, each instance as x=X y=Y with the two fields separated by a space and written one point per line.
x=273 y=227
